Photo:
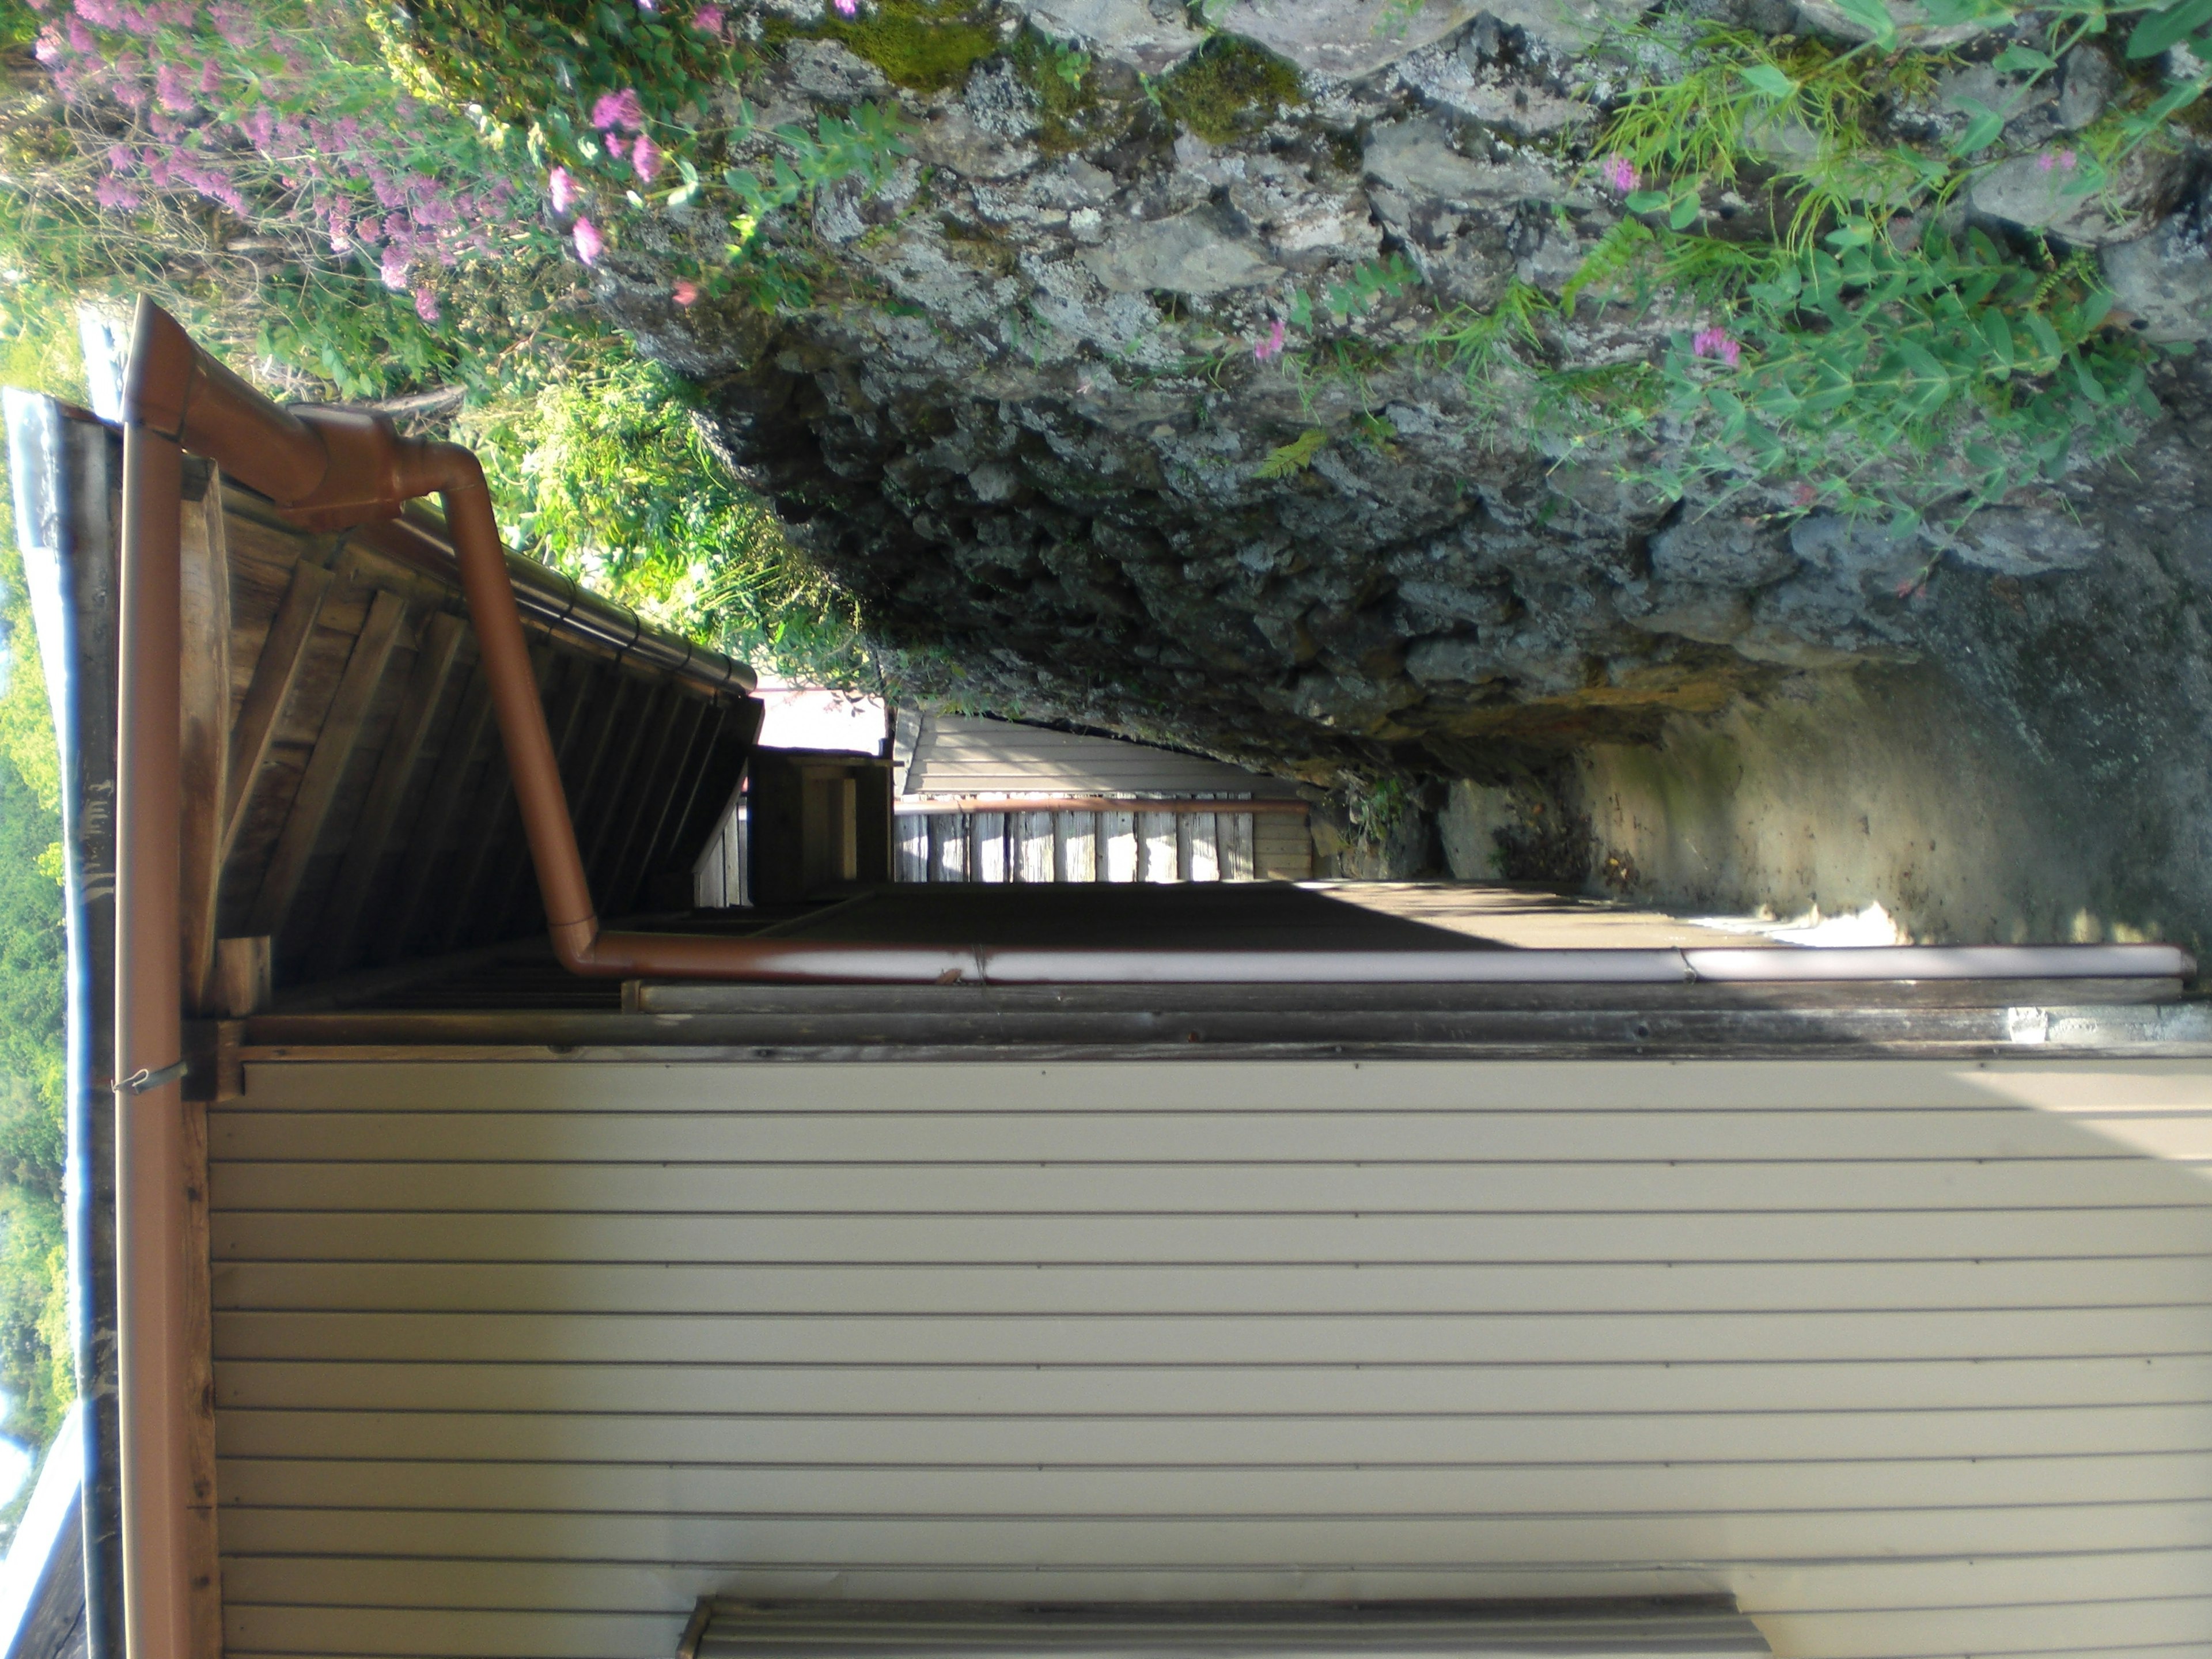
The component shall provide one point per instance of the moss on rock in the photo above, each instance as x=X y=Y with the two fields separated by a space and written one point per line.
x=1229 y=87
x=923 y=44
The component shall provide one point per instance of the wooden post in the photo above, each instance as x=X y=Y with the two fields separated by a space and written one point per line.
x=203 y=706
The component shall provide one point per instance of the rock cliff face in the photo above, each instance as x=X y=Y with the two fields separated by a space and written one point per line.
x=1024 y=420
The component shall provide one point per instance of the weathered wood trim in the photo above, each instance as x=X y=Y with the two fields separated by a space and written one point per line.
x=403 y=749
x=274 y=673
x=326 y=766
x=204 y=707
x=202 y=1540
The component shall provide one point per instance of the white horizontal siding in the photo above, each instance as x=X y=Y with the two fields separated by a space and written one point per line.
x=1912 y=1359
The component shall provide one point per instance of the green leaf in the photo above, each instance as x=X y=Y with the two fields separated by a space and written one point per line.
x=1767 y=79
x=1683 y=213
x=1873 y=17
x=1985 y=124
x=2096 y=307
x=2046 y=338
x=2017 y=59
x=2092 y=388
x=1998 y=333
x=1645 y=201
x=2161 y=29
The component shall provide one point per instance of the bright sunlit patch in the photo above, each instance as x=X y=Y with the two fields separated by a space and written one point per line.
x=1872 y=925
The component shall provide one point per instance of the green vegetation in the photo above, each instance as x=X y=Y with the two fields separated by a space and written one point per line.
x=38 y=1371
x=925 y=44
x=1228 y=87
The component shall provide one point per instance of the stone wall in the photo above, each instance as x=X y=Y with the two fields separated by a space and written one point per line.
x=1023 y=420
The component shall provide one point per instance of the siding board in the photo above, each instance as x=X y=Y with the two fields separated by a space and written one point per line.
x=1910 y=1357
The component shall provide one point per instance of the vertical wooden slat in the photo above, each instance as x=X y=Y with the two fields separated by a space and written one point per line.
x=1237 y=863
x=1203 y=861
x=283 y=650
x=612 y=746
x=464 y=749
x=1078 y=847
x=584 y=706
x=615 y=808
x=989 y=861
x=204 y=706
x=1117 y=847
x=626 y=873
x=489 y=831
x=372 y=832
x=913 y=847
x=674 y=722
x=682 y=792
x=948 y=846
x=722 y=770
x=326 y=766
x=1156 y=847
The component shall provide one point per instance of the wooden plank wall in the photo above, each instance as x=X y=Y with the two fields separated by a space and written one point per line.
x=368 y=816
x=1911 y=1357
x=962 y=755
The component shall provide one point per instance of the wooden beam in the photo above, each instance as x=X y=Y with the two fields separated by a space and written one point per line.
x=395 y=770
x=617 y=809
x=683 y=800
x=283 y=650
x=326 y=765
x=204 y=698
x=463 y=749
x=647 y=791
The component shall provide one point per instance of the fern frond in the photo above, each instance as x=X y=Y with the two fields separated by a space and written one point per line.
x=1610 y=259
x=1295 y=456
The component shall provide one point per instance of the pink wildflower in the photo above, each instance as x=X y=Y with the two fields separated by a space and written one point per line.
x=847 y=8
x=684 y=293
x=1620 y=173
x=393 y=269
x=1804 y=496
x=426 y=304
x=707 y=20
x=1266 y=351
x=648 y=7
x=589 y=243
x=562 y=187
x=645 y=156
x=618 y=109
x=1717 y=343
x=2066 y=159
x=617 y=145
x=169 y=87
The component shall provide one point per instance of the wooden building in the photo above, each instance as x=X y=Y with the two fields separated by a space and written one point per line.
x=1190 y=1269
